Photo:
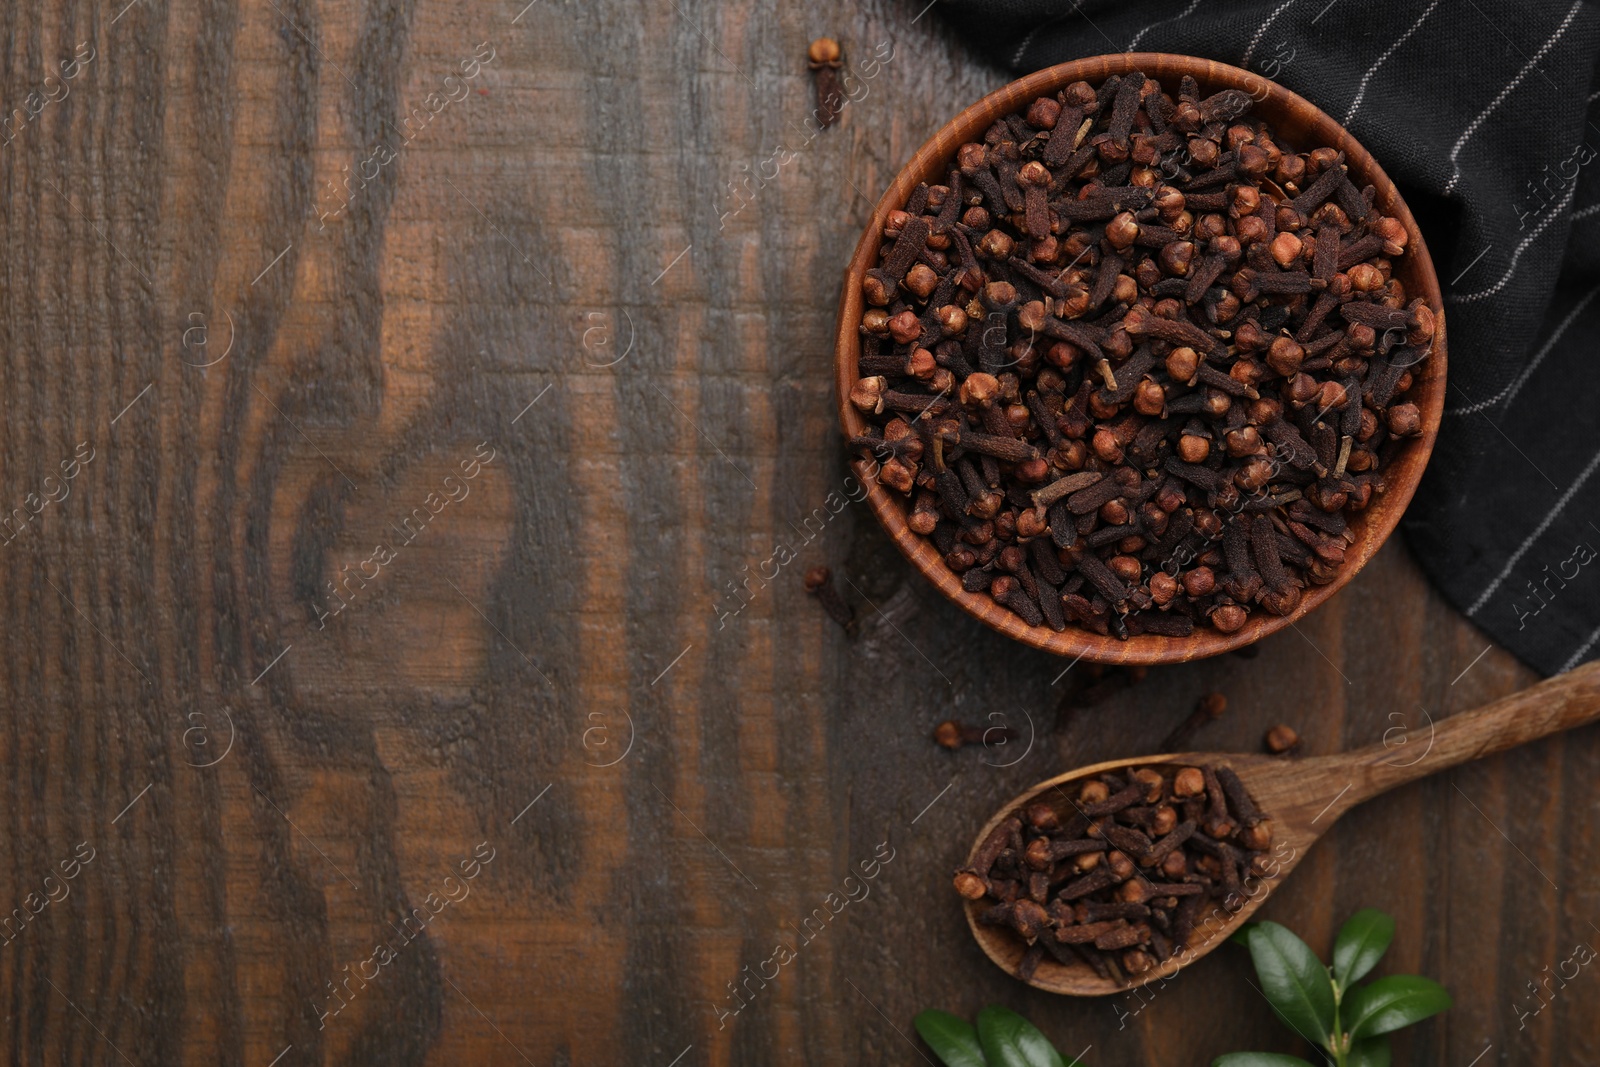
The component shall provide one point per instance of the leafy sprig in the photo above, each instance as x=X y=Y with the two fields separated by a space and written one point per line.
x=1002 y=1038
x=1349 y=1023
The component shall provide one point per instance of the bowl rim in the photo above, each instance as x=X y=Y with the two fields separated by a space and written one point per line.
x=1375 y=524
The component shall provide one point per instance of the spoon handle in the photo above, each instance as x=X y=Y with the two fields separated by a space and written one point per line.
x=1559 y=703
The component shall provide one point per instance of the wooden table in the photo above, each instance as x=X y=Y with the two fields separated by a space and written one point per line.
x=427 y=455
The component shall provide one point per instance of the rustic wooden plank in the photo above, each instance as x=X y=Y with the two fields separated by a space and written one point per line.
x=558 y=670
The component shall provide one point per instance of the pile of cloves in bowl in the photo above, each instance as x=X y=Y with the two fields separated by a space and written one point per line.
x=1136 y=362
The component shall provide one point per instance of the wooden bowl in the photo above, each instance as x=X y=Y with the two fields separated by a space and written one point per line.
x=1302 y=125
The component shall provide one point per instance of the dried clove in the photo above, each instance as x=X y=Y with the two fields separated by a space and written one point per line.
x=824 y=57
x=1207 y=709
x=819 y=583
x=953 y=735
x=1095 y=684
x=1281 y=739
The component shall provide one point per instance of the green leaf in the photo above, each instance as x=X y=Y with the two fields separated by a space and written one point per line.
x=1362 y=941
x=1241 y=936
x=1009 y=1040
x=1393 y=1002
x=952 y=1039
x=1373 y=1052
x=1258 y=1059
x=1294 y=981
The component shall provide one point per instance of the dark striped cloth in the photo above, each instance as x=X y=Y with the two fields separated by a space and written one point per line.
x=1485 y=113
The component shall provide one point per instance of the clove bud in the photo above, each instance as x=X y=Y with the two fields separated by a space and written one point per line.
x=818 y=582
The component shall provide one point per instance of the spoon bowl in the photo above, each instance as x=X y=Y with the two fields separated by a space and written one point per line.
x=1303 y=798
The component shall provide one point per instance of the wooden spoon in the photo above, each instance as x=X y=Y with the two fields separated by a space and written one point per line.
x=1303 y=798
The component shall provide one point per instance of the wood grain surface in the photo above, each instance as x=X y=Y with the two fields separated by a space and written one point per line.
x=405 y=673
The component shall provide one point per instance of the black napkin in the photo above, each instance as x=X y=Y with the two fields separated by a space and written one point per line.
x=1484 y=113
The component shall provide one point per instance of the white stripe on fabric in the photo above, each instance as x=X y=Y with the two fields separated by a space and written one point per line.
x=1577 y=657
x=1361 y=90
x=1500 y=98
x=1516 y=253
x=1538 y=532
x=1140 y=35
x=1248 y=52
x=1511 y=390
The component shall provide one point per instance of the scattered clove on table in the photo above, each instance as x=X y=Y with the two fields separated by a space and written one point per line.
x=819 y=583
x=1281 y=739
x=825 y=57
x=1098 y=683
x=1207 y=709
x=953 y=735
x=1094 y=684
